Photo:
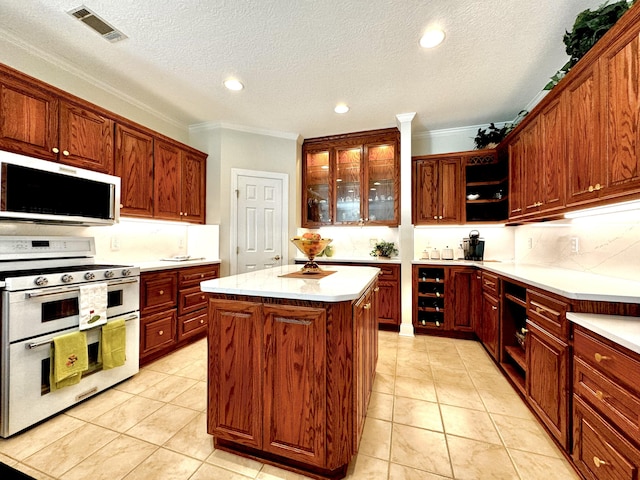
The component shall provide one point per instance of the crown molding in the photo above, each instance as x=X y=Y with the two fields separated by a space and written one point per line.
x=200 y=127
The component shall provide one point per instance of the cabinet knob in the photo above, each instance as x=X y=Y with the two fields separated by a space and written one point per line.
x=435 y=217
x=440 y=217
x=55 y=150
x=598 y=186
x=201 y=321
x=367 y=306
x=597 y=462
x=186 y=214
x=202 y=275
x=161 y=292
x=202 y=297
x=599 y=394
x=493 y=307
x=65 y=153
x=377 y=289
x=591 y=189
x=599 y=357
x=161 y=332
x=524 y=330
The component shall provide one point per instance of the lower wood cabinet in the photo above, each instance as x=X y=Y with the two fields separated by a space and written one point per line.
x=173 y=310
x=290 y=380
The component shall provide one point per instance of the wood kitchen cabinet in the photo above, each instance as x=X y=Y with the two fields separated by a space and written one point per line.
x=606 y=402
x=179 y=182
x=547 y=353
x=173 y=310
x=489 y=331
x=351 y=179
x=486 y=186
x=442 y=301
x=37 y=121
x=437 y=183
x=513 y=330
x=133 y=164
x=274 y=391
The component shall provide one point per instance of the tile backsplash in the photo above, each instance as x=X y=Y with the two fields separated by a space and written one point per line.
x=606 y=245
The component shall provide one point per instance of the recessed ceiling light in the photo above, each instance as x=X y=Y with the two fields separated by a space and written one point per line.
x=233 y=84
x=341 y=108
x=432 y=38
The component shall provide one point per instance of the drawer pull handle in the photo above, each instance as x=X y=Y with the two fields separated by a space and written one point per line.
x=599 y=394
x=524 y=330
x=367 y=306
x=161 y=332
x=600 y=357
x=201 y=321
x=161 y=292
x=597 y=462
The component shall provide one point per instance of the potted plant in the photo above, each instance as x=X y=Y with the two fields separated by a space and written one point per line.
x=491 y=136
x=384 y=249
x=589 y=27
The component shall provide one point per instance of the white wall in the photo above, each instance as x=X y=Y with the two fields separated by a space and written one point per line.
x=231 y=147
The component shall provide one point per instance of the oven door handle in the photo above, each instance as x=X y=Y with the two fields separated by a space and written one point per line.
x=42 y=343
x=58 y=291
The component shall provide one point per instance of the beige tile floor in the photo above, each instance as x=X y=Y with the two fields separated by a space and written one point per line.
x=440 y=409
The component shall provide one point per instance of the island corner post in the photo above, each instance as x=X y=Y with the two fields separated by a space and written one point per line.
x=289 y=379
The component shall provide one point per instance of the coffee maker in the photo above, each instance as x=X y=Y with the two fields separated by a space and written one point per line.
x=473 y=246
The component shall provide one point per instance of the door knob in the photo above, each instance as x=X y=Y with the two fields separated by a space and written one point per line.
x=277 y=257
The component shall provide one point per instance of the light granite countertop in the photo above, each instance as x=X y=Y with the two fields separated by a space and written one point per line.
x=347 y=283
x=622 y=330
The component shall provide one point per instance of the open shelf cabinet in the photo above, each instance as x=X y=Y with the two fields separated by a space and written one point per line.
x=429 y=305
x=513 y=338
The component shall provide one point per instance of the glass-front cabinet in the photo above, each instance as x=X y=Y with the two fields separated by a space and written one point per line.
x=351 y=179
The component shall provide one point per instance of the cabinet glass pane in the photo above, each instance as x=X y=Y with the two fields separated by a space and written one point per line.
x=317 y=176
x=348 y=185
x=382 y=194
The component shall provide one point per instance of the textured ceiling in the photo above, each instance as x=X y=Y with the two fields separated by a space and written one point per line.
x=298 y=58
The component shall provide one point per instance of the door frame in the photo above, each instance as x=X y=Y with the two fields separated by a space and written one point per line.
x=233 y=240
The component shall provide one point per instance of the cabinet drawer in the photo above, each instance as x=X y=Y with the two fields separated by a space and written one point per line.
x=548 y=312
x=615 y=403
x=598 y=451
x=192 y=324
x=607 y=360
x=157 y=331
x=388 y=272
x=191 y=300
x=158 y=291
x=490 y=283
x=190 y=277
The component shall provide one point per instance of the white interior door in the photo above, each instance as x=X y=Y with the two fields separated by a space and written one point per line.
x=261 y=228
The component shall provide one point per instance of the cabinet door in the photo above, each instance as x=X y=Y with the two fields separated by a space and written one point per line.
x=382 y=203
x=425 y=191
x=553 y=139
x=193 y=187
x=532 y=168
x=459 y=310
x=235 y=371
x=365 y=355
x=516 y=178
x=388 y=303
x=294 y=382
x=316 y=189
x=584 y=140
x=134 y=164
x=86 y=138
x=349 y=194
x=167 y=159
x=490 y=318
x=621 y=86
x=547 y=380
x=28 y=119
x=450 y=187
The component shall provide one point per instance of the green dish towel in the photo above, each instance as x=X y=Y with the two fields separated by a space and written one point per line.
x=113 y=344
x=69 y=358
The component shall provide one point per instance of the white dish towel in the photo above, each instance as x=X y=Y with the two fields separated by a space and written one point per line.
x=93 y=305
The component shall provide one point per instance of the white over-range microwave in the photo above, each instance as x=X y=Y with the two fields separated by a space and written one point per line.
x=39 y=191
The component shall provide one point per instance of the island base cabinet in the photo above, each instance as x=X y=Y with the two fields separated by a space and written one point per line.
x=287 y=377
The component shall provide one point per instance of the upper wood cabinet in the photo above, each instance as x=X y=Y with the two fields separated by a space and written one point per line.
x=36 y=122
x=179 y=182
x=134 y=165
x=437 y=186
x=351 y=179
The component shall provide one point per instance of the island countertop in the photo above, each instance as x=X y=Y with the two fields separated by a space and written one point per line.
x=347 y=283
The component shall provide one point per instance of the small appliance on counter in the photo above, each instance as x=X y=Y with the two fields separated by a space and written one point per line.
x=473 y=246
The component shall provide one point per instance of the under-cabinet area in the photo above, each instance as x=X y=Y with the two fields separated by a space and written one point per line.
x=582 y=388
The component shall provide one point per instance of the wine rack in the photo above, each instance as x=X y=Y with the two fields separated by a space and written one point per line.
x=429 y=304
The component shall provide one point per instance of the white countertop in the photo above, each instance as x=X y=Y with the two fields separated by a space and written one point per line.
x=351 y=260
x=624 y=331
x=571 y=284
x=154 y=265
x=348 y=283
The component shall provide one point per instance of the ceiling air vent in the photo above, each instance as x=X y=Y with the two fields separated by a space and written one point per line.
x=92 y=20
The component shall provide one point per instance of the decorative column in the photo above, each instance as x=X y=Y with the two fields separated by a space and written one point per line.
x=405 y=230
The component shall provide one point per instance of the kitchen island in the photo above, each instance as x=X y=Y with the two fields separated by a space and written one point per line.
x=291 y=365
